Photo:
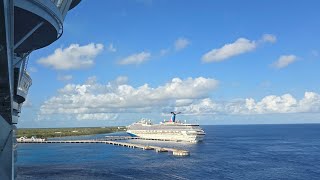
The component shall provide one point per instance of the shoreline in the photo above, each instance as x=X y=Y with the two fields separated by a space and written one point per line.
x=65 y=132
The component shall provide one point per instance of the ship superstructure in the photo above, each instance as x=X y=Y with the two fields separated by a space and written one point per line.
x=171 y=130
x=25 y=26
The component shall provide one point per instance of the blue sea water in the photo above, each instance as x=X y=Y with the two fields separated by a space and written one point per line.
x=228 y=152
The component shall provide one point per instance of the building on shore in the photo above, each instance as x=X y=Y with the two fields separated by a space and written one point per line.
x=32 y=139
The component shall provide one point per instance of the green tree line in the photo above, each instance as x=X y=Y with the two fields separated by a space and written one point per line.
x=60 y=132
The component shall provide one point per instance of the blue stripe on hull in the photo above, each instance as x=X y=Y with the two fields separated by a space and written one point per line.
x=132 y=135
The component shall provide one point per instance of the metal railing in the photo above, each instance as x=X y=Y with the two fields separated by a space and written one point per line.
x=62 y=5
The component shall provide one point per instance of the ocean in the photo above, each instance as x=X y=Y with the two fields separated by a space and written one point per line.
x=228 y=152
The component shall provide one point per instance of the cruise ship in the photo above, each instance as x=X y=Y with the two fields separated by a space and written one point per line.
x=171 y=130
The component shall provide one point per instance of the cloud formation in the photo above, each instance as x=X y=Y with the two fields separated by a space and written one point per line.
x=72 y=57
x=97 y=100
x=270 y=104
x=181 y=43
x=97 y=116
x=284 y=61
x=269 y=38
x=240 y=46
x=192 y=96
x=137 y=58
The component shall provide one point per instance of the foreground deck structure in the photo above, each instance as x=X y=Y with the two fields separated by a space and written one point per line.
x=25 y=26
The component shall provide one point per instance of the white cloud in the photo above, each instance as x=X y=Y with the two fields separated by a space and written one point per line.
x=284 y=104
x=137 y=58
x=95 y=101
x=64 y=77
x=91 y=80
x=240 y=46
x=284 y=61
x=92 y=99
x=269 y=38
x=270 y=104
x=72 y=57
x=181 y=43
x=309 y=103
x=200 y=107
x=121 y=80
x=97 y=116
x=111 y=48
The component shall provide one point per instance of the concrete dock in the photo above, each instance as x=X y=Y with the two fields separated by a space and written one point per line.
x=175 y=152
x=112 y=138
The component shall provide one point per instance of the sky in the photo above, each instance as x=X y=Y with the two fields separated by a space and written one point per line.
x=216 y=62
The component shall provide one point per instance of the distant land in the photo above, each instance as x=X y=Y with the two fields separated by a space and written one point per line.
x=61 y=132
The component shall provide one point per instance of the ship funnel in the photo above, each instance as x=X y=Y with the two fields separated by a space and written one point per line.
x=173 y=117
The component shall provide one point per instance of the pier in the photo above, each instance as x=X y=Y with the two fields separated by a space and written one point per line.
x=175 y=152
x=115 y=138
x=135 y=137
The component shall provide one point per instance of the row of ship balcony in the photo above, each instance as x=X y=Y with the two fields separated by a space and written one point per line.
x=21 y=88
x=21 y=85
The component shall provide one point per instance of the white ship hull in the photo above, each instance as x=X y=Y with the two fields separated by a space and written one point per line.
x=194 y=138
x=168 y=131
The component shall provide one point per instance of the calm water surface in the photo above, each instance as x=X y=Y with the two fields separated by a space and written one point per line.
x=228 y=152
